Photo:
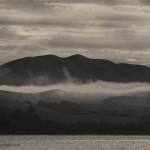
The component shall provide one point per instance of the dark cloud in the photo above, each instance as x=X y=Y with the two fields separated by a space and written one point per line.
x=41 y=3
x=122 y=17
x=40 y=21
x=74 y=21
x=145 y=2
x=31 y=48
x=25 y=5
x=119 y=40
x=109 y=2
x=7 y=34
x=38 y=5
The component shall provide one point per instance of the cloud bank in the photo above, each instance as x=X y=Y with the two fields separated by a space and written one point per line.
x=118 y=30
x=93 y=87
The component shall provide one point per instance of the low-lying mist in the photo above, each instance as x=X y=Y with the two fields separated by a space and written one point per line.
x=93 y=87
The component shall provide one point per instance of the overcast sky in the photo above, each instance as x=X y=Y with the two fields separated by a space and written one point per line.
x=118 y=30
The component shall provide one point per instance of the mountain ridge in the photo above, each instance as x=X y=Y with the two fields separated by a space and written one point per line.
x=51 y=69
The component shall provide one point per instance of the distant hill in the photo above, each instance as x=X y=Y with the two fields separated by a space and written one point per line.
x=133 y=100
x=50 y=113
x=63 y=111
x=50 y=69
x=54 y=96
x=68 y=102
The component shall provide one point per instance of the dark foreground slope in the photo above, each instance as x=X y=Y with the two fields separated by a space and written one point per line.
x=22 y=114
x=51 y=69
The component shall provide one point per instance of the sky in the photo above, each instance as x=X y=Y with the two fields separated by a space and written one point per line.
x=117 y=30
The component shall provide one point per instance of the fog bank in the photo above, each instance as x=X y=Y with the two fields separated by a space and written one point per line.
x=93 y=87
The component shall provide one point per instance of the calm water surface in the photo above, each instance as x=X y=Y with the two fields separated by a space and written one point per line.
x=74 y=142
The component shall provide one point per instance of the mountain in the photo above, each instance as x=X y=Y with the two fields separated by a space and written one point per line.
x=77 y=103
x=64 y=107
x=62 y=111
x=50 y=69
x=133 y=100
x=49 y=113
x=54 y=96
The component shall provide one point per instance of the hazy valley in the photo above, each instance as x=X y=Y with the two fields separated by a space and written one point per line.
x=73 y=95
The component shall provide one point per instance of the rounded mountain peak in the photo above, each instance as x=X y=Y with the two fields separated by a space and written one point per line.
x=77 y=56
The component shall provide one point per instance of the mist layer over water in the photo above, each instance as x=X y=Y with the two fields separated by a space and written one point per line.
x=93 y=87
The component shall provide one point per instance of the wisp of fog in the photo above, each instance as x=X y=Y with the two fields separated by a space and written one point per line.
x=92 y=87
